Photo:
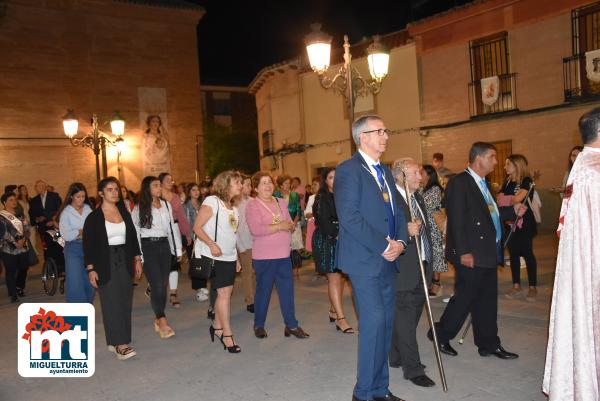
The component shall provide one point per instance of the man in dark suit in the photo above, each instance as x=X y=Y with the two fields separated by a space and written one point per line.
x=371 y=237
x=43 y=207
x=474 y=247
x=410 y=295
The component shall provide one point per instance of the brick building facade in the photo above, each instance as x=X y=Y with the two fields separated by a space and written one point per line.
x=535 y=49
x=95 y=56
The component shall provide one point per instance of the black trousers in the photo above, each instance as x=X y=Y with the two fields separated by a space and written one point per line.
x=405 y=348
x=475 y=292
x=116 y=299
x=521 y=244
x=157 y=267
x=16 y=271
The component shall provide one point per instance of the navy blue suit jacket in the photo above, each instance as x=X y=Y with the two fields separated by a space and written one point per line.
x=363 y=219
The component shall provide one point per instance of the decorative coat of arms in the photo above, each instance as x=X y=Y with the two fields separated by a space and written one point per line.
x=490 y=88
x=592 y=65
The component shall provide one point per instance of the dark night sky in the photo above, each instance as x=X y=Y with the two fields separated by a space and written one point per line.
x=238 y=38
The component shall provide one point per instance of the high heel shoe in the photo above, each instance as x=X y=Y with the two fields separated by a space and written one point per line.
x=211 y=331
x=348 y=330
x=332 y=319
x=234 y=349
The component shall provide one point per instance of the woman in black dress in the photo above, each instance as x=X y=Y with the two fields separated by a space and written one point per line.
x=520 y=244
x=324 y=243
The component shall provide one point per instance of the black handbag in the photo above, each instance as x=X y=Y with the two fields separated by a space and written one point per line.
x=32 y=258
x=175 y=265
x=204 y=267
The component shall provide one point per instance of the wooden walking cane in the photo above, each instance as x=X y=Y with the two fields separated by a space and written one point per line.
x=438 y=355
x=512 y=229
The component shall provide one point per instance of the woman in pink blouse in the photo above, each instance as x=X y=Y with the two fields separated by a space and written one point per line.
x=271 y=228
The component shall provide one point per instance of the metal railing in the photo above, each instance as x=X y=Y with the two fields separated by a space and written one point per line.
x=577 y=85
x=507 y=97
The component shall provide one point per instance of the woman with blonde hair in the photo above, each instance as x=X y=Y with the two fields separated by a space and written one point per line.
x=216 y=227
x=514 y=191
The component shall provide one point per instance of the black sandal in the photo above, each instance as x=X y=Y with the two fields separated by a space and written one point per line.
x=348 y=330
x=332 y=319
x=234 y=349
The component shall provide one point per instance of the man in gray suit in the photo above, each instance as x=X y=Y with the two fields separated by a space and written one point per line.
x=410 y=296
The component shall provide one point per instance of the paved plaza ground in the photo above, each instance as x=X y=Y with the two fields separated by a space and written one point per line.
x=189 y=367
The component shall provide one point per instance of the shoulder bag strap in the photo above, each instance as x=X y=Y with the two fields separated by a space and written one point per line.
x=217 y=218
x=171 y=227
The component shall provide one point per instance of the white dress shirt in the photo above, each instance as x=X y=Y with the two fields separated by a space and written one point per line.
x=162 y=222
x=371 y=163
x=483 y=190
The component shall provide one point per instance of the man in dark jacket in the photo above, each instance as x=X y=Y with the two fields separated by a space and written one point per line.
x=43 y=206
x=474 y=246
x=410 y=293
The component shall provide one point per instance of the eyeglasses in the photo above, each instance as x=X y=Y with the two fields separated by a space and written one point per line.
x=379 y=131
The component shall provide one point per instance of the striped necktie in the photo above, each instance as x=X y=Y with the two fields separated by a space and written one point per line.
x=423 y=232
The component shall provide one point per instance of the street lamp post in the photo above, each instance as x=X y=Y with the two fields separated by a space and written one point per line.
x=347 y=81
x=96 y=140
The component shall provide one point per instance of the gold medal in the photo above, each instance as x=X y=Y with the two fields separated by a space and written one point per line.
x=386 y=197
x=491 y=208
x=233 y=221
x=276 y=219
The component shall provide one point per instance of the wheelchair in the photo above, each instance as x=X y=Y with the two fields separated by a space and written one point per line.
x=53 y=270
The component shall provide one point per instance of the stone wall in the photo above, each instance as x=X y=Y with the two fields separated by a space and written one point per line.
x=92 y=56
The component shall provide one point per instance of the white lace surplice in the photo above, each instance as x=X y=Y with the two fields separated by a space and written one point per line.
x=572 y=370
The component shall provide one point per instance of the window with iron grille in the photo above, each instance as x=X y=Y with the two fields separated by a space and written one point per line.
x=490 y=58
x=585 y=34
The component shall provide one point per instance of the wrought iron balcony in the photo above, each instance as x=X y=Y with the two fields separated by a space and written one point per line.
x=507 y=97
x=577 y=86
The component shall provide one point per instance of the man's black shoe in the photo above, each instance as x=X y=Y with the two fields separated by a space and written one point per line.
x=423 y=381
x=250 y=308
x=260 y=332
x=14 y=299
x=20 y=292
x=500 y=352
x=445 y=348
x=448 y=350
x=388 y=397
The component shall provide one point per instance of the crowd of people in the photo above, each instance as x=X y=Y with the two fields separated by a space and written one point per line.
x=365 y=224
